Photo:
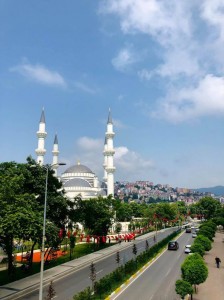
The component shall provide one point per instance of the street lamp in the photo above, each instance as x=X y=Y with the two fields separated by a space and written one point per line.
x=44 y=230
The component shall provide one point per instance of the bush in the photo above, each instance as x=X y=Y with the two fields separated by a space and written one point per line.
x=84 y=295
x=183 y=288
x=198 y=248
x=204 y=241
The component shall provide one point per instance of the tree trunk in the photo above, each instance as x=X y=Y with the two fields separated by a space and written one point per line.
x=9 y=251
x=31 y=254
x=47 y=253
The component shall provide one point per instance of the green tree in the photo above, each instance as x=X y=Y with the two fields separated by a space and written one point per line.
x=208 y=206
x=194 y=270
x=95 y=214
x=183 y=288
x=204 y=241
x=22 y=194
x=198 y=248
x=207 y=232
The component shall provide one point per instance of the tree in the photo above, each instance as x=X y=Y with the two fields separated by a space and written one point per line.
x=146 y=245
x=95 y=214
x=92 y=275
x=134 y=250
x=118 y=258
x=204 y=241
x=51 y=292
x=72 y=245
x=198 y=248
x=19 y=213
x=183 y=288
x=207 y=232
x=208 y=207
x=194 y=270
x=22 y=195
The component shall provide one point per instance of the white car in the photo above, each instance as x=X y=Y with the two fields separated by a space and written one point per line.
x=194 y=235
x=187 y=249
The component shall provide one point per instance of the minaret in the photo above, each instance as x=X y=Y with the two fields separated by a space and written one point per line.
x=55 y=153
x=109 y=152
x=105 y=160
x=41 y=134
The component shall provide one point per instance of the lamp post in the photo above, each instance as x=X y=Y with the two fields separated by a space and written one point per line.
x=44 y=230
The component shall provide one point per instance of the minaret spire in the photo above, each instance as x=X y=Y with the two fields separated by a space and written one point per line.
x=41 y=134
x=109 y=156
x=55 y=153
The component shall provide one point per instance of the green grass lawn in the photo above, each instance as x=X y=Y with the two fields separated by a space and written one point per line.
x=79 y=250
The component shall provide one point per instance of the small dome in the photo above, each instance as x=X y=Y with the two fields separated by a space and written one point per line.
x=76 y=182
x=78 y=169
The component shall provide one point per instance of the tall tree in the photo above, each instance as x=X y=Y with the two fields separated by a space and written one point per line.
x=95 y=214
x=194 y=270
x=22 y=194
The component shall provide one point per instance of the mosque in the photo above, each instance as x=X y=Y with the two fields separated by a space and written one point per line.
x=79 y=180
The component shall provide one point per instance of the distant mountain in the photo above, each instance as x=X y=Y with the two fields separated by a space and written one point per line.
x=217 y=190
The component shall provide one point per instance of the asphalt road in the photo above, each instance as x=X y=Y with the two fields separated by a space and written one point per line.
x=157 y=282
x=67 y=286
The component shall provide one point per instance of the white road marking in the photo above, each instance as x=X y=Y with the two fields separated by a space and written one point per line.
x=99 y=271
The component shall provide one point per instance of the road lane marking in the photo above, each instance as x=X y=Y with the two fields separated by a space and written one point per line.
x=136 y=276
x=99 y=271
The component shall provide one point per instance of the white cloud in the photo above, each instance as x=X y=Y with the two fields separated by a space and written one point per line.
x=144 y=74
x=39 y=73
x=189 y=38
x=84 y=87
x=124 y=59
x=118 y=124
x=130 y=164
x=166 y=21
x=89 y=152
x=89 y=144
x=206 y=99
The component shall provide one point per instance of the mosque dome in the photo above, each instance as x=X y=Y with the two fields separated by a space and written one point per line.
x=77 y=182
x=78 y=169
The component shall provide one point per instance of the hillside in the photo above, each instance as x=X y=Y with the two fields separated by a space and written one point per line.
x=217 y=190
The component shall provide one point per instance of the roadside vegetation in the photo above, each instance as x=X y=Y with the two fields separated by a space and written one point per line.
x=22 y=197
x=194 y=270
x=106 y=285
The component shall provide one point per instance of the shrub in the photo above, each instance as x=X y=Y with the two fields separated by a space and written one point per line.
x=198 y=248
x=183 y=288
x=204 y=241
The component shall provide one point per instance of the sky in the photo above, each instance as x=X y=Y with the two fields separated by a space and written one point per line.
x=157 y=64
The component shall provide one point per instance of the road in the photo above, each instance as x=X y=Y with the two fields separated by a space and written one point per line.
x=67 y=286
x=157 y=282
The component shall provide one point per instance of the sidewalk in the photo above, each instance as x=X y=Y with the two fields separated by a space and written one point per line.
x=213 y=287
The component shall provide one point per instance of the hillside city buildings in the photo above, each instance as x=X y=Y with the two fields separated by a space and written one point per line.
x=147 y=192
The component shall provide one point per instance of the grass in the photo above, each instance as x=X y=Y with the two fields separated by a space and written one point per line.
x=79 y=250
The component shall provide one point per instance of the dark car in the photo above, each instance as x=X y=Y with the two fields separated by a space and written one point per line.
x=188 y=230
x=173 y=245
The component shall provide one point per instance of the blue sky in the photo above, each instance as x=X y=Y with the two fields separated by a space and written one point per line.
x=157 y=64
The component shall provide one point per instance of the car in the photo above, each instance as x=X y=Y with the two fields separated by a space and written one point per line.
x=188 y=230
x=194 y=235
x=173 y=245
x=187 y=249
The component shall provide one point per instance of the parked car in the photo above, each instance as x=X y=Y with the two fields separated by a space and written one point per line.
x=173 y=245
x=188 y=230
x=187 y=249
x=194 y=235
